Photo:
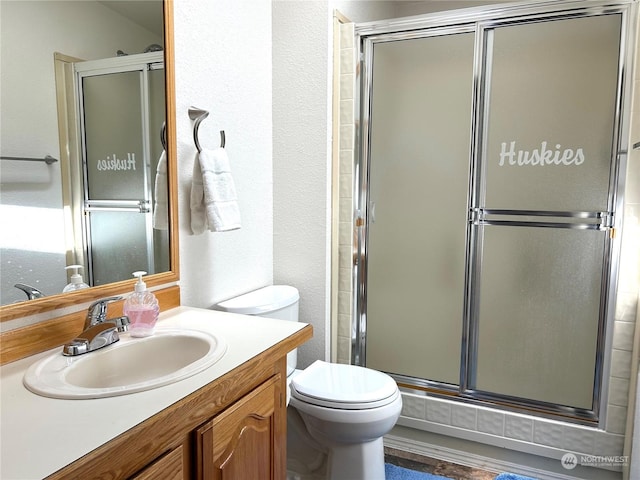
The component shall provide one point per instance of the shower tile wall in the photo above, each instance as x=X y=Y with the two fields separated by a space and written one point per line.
x=525 y=433
x=345 y=241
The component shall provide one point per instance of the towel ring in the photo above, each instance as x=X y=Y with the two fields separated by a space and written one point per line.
x=198 y=115
x=163 y=136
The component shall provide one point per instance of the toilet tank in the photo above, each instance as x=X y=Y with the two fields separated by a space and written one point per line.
x=274 y=301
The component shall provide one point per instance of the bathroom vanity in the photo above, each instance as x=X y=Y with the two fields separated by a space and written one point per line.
x=227 y=421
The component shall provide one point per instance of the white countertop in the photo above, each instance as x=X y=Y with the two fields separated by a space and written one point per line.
x=40 y=435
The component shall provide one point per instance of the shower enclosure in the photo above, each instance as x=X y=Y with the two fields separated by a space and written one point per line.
x=488 y=198
x=121 y=113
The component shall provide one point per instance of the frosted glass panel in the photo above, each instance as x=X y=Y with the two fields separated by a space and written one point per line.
x=156 y=111
x=119 y=245
x=418 y=183
x=539 y=313
x=156 y=118
x=551 y=114
x=114 y=137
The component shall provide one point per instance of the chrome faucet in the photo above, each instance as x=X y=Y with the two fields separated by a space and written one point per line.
x=98 y=330
x=32 y=292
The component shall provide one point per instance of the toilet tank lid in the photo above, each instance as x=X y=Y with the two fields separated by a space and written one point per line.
x=263 y=300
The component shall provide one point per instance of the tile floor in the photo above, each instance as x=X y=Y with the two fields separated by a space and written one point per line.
x=435 y=467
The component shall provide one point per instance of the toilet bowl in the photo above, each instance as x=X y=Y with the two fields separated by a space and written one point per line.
x=337 y=414
x=347 y=409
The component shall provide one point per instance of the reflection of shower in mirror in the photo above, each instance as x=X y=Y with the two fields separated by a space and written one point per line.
x=154 y=47
x=29 y=84
x=121 y=116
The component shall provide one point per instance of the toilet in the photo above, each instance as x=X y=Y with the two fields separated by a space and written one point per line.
x=337 y=414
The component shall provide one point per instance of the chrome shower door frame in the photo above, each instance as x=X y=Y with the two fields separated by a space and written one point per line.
x=142 y=64
x=482 y=21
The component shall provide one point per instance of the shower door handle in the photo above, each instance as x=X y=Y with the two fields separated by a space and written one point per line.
x=358 y=224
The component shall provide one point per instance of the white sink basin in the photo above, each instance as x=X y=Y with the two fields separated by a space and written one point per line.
x=128 y=366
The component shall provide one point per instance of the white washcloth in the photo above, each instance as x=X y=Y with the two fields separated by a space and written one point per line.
x=160 y=206
x=214 y=203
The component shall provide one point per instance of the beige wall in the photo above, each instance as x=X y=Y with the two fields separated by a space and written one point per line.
x=223 y=65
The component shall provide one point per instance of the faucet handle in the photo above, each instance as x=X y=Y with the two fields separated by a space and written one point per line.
x=121 y=323
x=97 y=312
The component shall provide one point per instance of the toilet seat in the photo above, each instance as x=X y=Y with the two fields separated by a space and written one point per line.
x=343 y=405
x=347 y=387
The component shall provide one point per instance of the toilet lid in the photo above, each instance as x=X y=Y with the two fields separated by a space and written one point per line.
x=348 y=384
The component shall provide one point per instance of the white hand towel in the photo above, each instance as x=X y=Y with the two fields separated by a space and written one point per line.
x=161 y=207
x=214 y=203
x=196 y=202
x=221 y=201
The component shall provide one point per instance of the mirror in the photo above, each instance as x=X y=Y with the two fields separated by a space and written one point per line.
x=32 y=129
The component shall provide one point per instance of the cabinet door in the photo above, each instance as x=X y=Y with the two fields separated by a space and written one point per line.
x=247 y=440
x=167 y=467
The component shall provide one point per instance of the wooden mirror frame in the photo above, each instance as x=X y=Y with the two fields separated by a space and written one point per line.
x=81 y=297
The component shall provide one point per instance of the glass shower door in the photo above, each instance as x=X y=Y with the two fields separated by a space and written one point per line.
x=543 y=208
x=117 y=168
x=418 y=184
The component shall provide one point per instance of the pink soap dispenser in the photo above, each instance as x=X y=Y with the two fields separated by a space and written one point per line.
x=142 y=308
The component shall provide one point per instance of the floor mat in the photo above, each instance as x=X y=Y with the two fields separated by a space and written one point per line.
x=512 y=476
x=393 y=472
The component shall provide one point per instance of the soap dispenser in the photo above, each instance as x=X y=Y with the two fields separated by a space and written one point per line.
x=142 y=308
x=76 y=280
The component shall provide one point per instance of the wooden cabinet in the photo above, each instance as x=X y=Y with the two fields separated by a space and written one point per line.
x=242 y=442
x=231 y=429
x=167 y=467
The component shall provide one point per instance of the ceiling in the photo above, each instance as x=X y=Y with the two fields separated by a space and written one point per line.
x=146 y=13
